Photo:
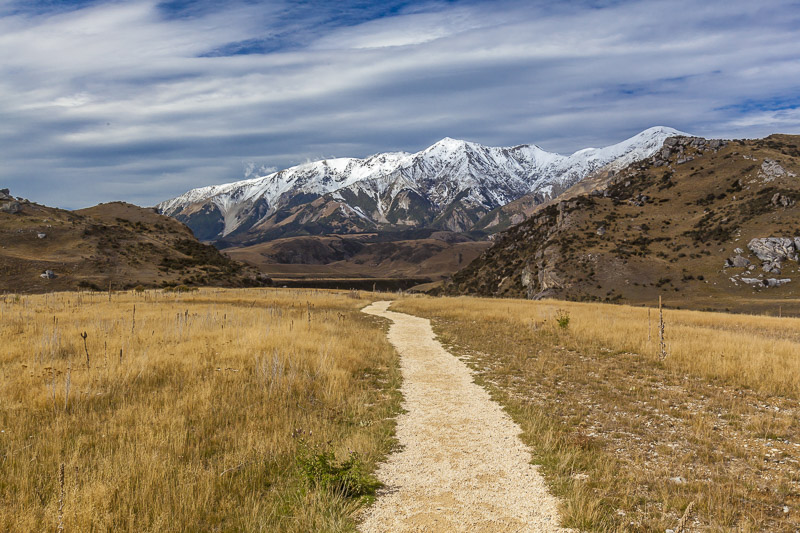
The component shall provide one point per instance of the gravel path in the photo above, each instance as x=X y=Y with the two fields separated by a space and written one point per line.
x=462 y=466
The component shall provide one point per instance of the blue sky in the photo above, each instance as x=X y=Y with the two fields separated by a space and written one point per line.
x=142 y=100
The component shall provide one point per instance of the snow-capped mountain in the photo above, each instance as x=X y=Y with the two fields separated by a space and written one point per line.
x=449 y=185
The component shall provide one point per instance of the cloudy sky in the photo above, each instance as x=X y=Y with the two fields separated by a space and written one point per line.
x=142 y=100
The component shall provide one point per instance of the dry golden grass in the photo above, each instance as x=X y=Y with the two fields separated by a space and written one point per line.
x=757 y=352
x=182 y=418
x=629 y=441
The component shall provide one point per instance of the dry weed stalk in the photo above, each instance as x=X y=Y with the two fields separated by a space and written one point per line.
x=60 y=498
x=67 y=381
x=662 y=343
x=85 y=348
x=681 y=527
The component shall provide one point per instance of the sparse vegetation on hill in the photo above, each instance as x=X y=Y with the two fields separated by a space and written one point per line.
x=628 y=439
x=210 y=410
x=114 y=245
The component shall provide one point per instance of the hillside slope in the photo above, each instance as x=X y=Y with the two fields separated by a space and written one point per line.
x=114 y=244
x=713 y=224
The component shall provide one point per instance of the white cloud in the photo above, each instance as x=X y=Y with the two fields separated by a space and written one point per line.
x=118 y=90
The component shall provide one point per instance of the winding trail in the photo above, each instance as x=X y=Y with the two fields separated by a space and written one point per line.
x=462 y=466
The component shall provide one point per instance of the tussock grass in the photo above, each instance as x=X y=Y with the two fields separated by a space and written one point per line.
x=626 y=439
x=189 y=412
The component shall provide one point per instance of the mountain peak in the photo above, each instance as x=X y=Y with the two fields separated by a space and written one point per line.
x=663 y=130
x=449 y=144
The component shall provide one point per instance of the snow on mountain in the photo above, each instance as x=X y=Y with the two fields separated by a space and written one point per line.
x=448 y=185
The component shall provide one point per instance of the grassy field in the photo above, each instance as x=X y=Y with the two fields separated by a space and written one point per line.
x=267 y=410
x=627 y=439
x=215 y=410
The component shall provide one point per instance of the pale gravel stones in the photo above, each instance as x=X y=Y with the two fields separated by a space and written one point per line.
x=462 y=466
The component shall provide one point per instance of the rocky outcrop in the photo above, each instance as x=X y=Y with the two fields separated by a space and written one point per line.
x=8 y=204
x=775 y=249
x=771 y=170
x=11 y=207
x=681 y=149
x=540 y=278
x=780 y=200
x=772 y=251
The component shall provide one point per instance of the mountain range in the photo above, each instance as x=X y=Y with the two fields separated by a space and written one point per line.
x=453 y=185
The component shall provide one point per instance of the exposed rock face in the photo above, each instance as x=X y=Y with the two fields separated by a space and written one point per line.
x=11 y=207
x=5 y=195
x=774 y=249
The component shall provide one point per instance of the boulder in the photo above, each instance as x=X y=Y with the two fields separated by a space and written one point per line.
x=5 y=195
x=47 y=274
x=671 y=141
x=773 y=267
x=738 y=261
x=772 y=282
x=601 y=231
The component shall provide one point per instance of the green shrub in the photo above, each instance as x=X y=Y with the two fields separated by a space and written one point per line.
x=562 y=318
x=319 y=469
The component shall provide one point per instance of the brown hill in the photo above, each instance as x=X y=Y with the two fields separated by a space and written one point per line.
x=115 y=244
x=367 y=256
x=692 y=221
